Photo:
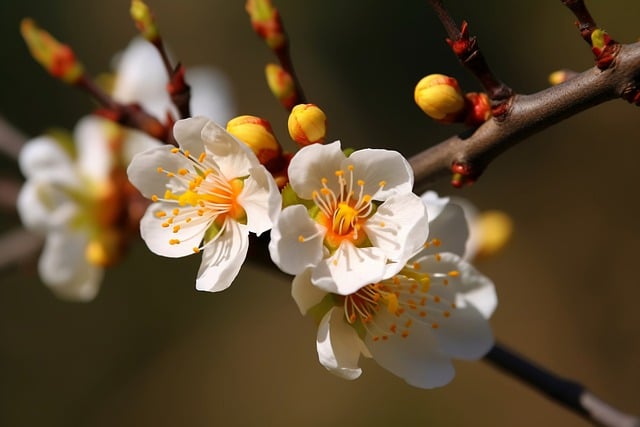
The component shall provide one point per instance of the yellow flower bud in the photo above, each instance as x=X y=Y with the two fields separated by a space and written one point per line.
x=57 y=58
x=257 y=134
x=439 y=96
x=281 y=85
x=307 y=124
x=265 y=20
x=495 y=230
x=143 y=18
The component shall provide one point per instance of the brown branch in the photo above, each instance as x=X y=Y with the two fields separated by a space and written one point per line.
x=18 y=246
x=585 y=22
x=11 y=139
x=466 y=48
x=469 y=154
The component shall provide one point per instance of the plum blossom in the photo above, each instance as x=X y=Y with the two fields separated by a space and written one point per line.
x=209 y=194
x=76 y=196
x=354 y=221
x=434 y=309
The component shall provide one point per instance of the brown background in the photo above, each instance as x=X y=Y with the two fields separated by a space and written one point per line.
x=150 y=350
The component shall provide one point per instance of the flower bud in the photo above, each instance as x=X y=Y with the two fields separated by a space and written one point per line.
x=494 y=230
x=478 y=108
x=307 y=124
x=440 y=97
x=257 y=134
x=57 y=58
x=281 y=85
x=143 y=18
x=561 y=76
x=265 y=20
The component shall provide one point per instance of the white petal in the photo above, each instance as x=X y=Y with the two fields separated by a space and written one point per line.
x=313 y=163
x=210 y=94
x=470 y=287
x=136 y=142
x=44 y=207
x=374 y=166
x=63 y=267
x=234 y=158
x=95 y=157
x=304 y=293
x=415 y=358
x=434 y=203
x=287 y=251
x=43 y=158
x=451 y=228
x=466 y=334
x=349 y=269
x=338 y=345
x=143 y=171
x=158 y=237
x=475 y=233
x=142 y=78
x=188 y=133
x=223 y=257
x=399 y=227
x=260 y=199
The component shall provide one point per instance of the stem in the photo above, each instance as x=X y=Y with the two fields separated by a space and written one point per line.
x=527 y=115
x=468 y=52
x=11 y=139
x=284 y=57
x=569 y=393
x=585 y=23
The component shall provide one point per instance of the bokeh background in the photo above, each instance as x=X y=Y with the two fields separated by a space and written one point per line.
x=150 y=350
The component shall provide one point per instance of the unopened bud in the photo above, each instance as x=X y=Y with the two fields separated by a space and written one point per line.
x=257 y=134
x=478 y=108
x=144 y=20
x=599 y=38
x=57 y=58
x=440 y=97
x=265 y=20
x=561 y=76
x=281 y=85
x=307 y=124
x=494 y=230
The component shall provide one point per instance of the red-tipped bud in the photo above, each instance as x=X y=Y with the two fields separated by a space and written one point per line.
x=57 y=58
x=281 y=85
x=144 y=20
x=266 y=22
x=307 y=124
x=256 y=133
x=478 y=108
x=440 y=97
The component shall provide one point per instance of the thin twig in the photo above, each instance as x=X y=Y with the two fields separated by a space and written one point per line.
x=569 y=393
x=585 y=22
x=468 y=52
x=470 y=154
x=17 y=246
x=11 y=139
x=9 y=189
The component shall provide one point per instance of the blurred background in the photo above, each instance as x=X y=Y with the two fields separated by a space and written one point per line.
x=151 y=350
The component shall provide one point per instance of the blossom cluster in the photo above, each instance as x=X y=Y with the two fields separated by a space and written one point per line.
x=383 y=271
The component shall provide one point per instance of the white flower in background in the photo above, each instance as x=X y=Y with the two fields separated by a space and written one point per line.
x=357 y=221
x=73 y=195
x=435 y=309
x=142 y=78
x=209 y=194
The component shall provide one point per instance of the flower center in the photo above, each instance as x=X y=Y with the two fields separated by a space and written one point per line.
x=208 y=197
x=411 y=297
x=344 y=211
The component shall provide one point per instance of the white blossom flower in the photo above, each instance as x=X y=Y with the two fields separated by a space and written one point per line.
x=357 y=221
x=141 y=77
x=72 y=196
x=434 y=309
x=209 y=194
